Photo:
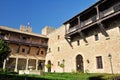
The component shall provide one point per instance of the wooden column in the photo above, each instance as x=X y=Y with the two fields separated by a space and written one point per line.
x=67 y=28
x=98 y=12
x=79 y=24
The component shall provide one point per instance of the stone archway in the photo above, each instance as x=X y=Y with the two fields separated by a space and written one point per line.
x=79 y=63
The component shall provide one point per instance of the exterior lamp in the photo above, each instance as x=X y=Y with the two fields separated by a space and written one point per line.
x=7 y=59
x=63 y=60
x=63 y=65
x=110 y=57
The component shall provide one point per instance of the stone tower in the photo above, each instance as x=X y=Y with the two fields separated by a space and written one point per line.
x=27 y=28
x=46 y=30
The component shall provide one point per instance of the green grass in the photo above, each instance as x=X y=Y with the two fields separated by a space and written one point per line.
x=58 y=76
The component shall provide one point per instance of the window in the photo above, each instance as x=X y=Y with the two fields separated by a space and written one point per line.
x=24 y=38
x=42 y=41
x=58 y=49
x=2 y=34
x=58 y=37
x=78 y=42
x=38 y=53
x=58 y=63
x=23 y=50
x=96 y=37
x=42 y=52
x=99 y=62
x=49 y=50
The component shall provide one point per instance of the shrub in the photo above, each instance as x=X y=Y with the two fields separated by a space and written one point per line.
x=61 y=65
x=48 y=65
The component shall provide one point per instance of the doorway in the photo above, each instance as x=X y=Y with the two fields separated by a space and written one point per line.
x=79 y=63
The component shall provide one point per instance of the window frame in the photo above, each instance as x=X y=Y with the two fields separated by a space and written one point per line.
x=96 y=36
x=99 y=62
x=23 y=50
x=78 y=43
x=58 y=37
x=58 y=49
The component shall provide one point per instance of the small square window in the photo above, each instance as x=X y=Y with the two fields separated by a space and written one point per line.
x=58 y=37
x=78 y=42
x=23 y=50
x=96 y=37
x=58 y=49
x=49 y=50
x=58 y=63
x=24 y=38
x=42 y=52
x=42 y=41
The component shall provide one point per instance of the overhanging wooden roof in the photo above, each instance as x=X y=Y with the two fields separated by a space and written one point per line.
x=85 y=11
x=21 y=32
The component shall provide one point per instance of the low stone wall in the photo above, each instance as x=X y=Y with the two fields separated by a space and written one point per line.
x=38 y=72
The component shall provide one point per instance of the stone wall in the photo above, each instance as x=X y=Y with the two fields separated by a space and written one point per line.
x=101 y=47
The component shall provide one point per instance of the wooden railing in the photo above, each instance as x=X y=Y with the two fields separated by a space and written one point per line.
x=105 y=13
x=72 y=29
x=23 y=41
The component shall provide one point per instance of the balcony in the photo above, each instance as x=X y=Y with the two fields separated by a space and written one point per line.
x=26 y=42
x=72 y=29
x=89 y=21
x=104 y=15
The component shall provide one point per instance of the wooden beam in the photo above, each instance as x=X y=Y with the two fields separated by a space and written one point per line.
x=103 y=30
x=79 y=24
x=67 y=39
x=83 y=37
x=98 y=12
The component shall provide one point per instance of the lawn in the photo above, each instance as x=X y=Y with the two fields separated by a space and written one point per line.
x=59 y=76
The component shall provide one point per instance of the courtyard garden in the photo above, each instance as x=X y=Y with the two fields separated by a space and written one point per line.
x=59 y=76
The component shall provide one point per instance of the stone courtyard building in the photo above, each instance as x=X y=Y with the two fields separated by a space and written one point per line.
x=28 y=49
x=88 y=42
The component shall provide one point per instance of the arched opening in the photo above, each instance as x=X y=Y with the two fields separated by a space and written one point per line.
x=79 y=63
x=49 y=68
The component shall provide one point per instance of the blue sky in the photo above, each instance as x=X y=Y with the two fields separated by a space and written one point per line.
x=40 y=13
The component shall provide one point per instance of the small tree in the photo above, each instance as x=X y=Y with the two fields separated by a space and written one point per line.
x=62 y=66
x=4 y=50
x=48 y=66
